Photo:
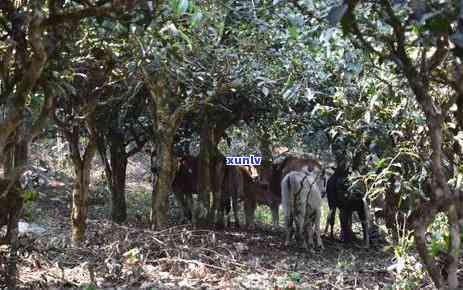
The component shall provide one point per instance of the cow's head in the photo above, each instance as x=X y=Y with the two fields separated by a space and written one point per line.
x=252 y=171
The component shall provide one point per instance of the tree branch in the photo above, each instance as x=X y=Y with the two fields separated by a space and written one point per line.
x=79 y=13
x=28 y=81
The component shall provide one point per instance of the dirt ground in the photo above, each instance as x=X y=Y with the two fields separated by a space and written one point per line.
x=131 y=255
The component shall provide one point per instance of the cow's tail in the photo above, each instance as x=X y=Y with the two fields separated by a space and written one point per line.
x=287 y=199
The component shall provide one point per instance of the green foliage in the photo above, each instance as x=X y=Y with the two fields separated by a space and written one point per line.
x=290 y=280
x=439 y=233
x=30 y=211
x=179 y=6
x=89 y=287
x=132 y=256
x=345 y=263
x=30 y=196
x=263 y=214
x=407 y=270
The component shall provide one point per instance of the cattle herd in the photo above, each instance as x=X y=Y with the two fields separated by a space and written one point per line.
x=297 y=183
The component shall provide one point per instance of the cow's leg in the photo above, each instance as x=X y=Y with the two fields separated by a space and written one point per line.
x=306 y=233
x=218 y=209
x=227 y=211
x=316 y=226
x=310 y=233
x=189 y=208
x=330 y=221
x=183 y=204
x=333 y=218
x=366 y=236
x=364 y=217
x=300 y=224
x=289 y=218
x=250 y=205
x=236 y=209
x=275 y=216
x=327 y=225
x=346 y=231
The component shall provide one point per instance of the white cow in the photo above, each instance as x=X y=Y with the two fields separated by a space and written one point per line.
x=301 y=198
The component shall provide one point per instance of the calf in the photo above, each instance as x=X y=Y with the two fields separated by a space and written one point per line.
x=339 y=197
x=239 y=183
x=301 y=198
x=255 y=193
x=265 y=197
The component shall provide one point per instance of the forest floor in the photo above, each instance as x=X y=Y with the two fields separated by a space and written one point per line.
x=131 y=255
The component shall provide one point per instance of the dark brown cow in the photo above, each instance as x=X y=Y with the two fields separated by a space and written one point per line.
x=274 y=174
x=186 y=183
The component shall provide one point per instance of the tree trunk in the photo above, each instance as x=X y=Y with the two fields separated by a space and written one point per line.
x=82 y=167
x=11 y=279
x=453 y=253
x=264 y=147
x=80 y=202
x=439 y=189
x=204 y=174
x=118 y=176
x=217 y=169
x=165 y=123
x=164 y=182
x=17 y=156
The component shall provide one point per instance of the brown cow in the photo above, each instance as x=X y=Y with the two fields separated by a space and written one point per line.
x=239 y=183
x=273 y=175
x=186 y=183
x=252 y=171
x=255 y=193
x=232 y=189
x=252 y=194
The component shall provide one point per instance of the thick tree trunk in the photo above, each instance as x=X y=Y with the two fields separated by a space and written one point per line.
x=11 y=279
x=118 y=176
x=165 y=123
x=204 y=173
x=217 y=170
x=80 y=202
x=439 y=188
x=164 y=182
x=13 y=240
x=14 y=167
x=82 y=167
